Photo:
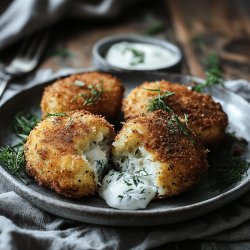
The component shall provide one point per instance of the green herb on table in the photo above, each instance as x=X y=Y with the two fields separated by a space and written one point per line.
x=213 y=74
x=156 y=28
x=138 y=56
x=60 y=52
x=200 y=42
x=24 y=123
x=227 y=165
x=13 y=160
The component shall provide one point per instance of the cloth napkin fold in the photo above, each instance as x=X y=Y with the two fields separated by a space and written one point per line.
x=21 y=17
x=23 y=226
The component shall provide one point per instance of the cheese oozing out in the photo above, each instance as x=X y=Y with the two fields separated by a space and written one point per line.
x=97 y=156
x=133 y=186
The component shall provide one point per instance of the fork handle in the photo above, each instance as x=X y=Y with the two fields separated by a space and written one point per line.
x=3 y=85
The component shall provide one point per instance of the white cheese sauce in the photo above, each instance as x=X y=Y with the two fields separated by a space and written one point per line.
x=122 y=190
x=140 y=56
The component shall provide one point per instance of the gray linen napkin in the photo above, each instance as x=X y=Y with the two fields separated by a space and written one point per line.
x=21 y=17
x=23 y=226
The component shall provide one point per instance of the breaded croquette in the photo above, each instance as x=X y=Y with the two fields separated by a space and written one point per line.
x=205 y=117
x=160 y=147
x=96 y=92
x=69 y=152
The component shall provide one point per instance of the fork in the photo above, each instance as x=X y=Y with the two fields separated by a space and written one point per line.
x=27 y=58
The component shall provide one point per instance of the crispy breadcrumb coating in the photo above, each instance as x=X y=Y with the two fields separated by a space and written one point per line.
x=151 y=144
x=60 y=152
x=205 y=117
x=96 y=92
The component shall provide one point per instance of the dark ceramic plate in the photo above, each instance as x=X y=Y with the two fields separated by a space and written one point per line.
x=200 y=200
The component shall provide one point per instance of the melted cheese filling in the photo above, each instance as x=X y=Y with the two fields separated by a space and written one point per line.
x=133 y=186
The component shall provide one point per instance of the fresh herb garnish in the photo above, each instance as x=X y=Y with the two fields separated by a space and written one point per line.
x=213 y=74
x=176 y=126
x=155 y=28
x=60 y=52
x=96 y=92
x=227 y=165
x=158 y=102
x=138 y=56
x=13 y=159
x=24 y=123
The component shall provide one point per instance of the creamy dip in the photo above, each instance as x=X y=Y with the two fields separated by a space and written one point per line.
x=125 y=191
x=140 y=56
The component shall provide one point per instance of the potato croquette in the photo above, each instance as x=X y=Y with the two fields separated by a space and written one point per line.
x=98 y=93
x=69 y=152
x=155 y=145
x=205 y=117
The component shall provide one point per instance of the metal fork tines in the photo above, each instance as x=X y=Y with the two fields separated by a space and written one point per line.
x=27 y=58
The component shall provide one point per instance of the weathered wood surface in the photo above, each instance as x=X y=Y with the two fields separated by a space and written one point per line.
x=198 y=27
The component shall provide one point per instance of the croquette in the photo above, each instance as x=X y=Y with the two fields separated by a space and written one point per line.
x=96 y=92
x=160 y=146
x=205 y=117
x=69 y=152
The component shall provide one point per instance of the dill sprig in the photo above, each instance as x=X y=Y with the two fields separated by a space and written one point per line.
x=227 y=165
x=155 y=28
x=158 y=102
x=138 y=56
x=213 y=74
x=96 y=92
x=24 y=123
x=230 y=171
x=12 y=158
x=177 y=126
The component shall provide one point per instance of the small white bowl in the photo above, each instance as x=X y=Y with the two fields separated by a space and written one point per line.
x=101 y=48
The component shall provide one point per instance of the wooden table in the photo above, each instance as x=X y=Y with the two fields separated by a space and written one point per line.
x=200 y=28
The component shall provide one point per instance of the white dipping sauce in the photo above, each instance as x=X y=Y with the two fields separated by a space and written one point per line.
x=140 y=56
x=124 y=191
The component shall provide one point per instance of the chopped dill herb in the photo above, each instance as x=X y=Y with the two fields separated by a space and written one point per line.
x=227 y=165
x=120 y=175
x=142 y=191
x=156 y=103
x=138 y=56
x=136 y=180
x=24 y=123
x=96 y=92
x=56 y=114
x=131 y=189
x=155 y=28
x=13 y=159
x=120 y=196
x=143 y=172
x=176 y=126
x=60 y=52
x=213 y=74
x=127 y=182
